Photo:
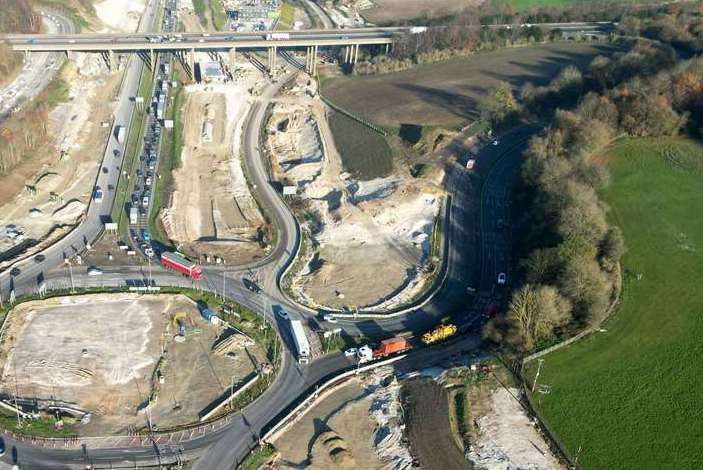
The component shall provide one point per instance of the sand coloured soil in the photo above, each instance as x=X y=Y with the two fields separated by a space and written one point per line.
x=212 y=210
x=98 y=353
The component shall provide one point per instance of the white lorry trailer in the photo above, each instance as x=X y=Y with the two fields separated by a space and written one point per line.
x=301 y=341
x=120 y=134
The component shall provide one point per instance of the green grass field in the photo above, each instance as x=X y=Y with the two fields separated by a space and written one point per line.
x=365 y=153
x=520 y=5
x=628 y=398
x=287 y=18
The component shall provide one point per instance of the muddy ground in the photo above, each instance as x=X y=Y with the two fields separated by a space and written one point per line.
x=100 y=352
x=448 y=93
x=428 y=427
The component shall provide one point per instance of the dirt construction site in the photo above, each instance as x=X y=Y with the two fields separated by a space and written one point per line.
x=360 y=425
x=211 y=210
x=354 y=229
x=47 y=194
x=106 y=356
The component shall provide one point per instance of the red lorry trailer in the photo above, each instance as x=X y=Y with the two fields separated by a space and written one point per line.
x=179 y=263
x=391 y=346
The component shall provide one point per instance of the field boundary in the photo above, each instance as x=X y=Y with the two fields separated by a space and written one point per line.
x=543 y=423
x=587 y=331
x=353 y=116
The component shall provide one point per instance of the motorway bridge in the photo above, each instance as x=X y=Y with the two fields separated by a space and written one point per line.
x=188 y=43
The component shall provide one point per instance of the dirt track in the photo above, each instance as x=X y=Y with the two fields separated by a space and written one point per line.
x=428 y=426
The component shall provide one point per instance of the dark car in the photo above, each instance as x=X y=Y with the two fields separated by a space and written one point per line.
x=105 y=169
x=39 y=258
x=117 y=152
x=15 y=272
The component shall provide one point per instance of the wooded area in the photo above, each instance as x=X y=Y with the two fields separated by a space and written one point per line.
x=569 y=249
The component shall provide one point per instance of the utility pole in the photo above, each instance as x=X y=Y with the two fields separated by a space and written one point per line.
x=223 y=285
x=70 y=274
x=539 y=367
x=149 y=262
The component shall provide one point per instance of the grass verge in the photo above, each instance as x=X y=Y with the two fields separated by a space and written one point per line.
x=287 y=17
x=219 y=19
x=171 y=146
x=132 y=150
x=628 y=397
x=257 y=457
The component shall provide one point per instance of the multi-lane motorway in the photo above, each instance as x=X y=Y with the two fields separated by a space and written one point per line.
x=479 y=199
x=37 y=70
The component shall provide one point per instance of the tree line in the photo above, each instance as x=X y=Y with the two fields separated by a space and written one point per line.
x=570 y=251
x=679 y=24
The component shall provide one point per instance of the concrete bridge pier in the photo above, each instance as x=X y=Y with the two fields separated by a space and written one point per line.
x=272 y=61
x=313 y=68
x=388 y=48
x=232 y=57
x=69 y=55
x=152 y=59
x=356 y=53
x=111 y=62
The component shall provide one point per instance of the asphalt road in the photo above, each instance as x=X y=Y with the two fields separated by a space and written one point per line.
x=224 y=40
x=38 y=69
x=31 y=273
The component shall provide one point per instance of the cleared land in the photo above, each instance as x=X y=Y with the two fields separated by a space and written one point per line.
x=357 y=426
x=103 y=354
x=49 y=192
x=448 y=93
x=211 y=210
x=386 y=222
x=429 y=431
x=629 y=397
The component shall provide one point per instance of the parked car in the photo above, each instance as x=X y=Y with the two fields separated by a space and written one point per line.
x=329 y=318
x=351 y=352
x=502 y=279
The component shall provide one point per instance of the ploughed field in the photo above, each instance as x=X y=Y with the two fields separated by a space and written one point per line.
x=448 y=93
x=629 y=396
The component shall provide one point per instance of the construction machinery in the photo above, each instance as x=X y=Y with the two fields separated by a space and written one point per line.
x=439 y=333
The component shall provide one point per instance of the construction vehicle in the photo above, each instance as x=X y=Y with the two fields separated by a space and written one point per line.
x=391 y=346
x=387 y=347
x=438 y=334
x=179 y=263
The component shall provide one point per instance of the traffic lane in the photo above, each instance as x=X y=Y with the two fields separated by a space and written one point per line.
x=91 y=226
